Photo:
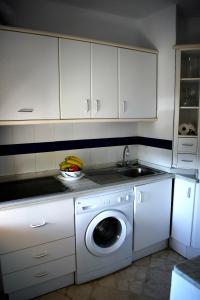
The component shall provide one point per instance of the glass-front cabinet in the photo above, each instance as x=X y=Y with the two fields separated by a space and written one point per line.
x=187 y=103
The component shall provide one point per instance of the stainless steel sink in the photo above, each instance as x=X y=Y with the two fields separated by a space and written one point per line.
x=120 y=174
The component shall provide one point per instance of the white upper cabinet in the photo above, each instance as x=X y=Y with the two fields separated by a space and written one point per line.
x=75 y=70
x=88 y=80
x=29 y=79
x=137 y=84
x=104 y=82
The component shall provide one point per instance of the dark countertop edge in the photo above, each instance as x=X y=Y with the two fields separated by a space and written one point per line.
x=183 y=274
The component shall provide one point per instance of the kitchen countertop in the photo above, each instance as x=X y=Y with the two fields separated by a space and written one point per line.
x=82 y=187
x=190 y=270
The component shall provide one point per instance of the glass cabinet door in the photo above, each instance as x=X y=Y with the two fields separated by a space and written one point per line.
x=189 y=93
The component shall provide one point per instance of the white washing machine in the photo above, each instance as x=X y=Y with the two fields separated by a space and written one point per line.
x=104 y=233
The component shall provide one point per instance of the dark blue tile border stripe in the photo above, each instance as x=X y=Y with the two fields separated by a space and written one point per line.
x=82 y=144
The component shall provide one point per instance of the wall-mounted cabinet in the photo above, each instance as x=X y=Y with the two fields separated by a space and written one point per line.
x=51 y=77
x=88 y=80
x=186 y=130
x=29 y=80
x=137 y=84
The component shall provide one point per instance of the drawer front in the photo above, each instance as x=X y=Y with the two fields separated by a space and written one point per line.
x=39 y=274
x=36 y=224
x=37 y=255
x=187 y=161
x=187 y=145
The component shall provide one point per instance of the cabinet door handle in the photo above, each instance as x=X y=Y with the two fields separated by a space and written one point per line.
x=186 y=160
x=87 y=105
x=140 y=198
x=41 y=274
x=124 y=105
x=26 y=110
x=189 y=192
x=188 y=145
x=97 y=105
x=38 y=225
x=43 y=254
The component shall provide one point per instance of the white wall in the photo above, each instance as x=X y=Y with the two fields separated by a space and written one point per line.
x=160 y=29
x=157 y=31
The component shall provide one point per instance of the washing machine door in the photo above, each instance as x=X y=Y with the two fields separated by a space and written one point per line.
x=106 y=232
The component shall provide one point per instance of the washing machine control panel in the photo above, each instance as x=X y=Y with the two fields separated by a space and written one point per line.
x=105 y=200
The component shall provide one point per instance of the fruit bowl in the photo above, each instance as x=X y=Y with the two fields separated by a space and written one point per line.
x=70 y=174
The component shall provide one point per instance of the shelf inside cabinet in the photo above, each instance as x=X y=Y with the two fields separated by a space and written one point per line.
x=190 y=79
x=189 y=107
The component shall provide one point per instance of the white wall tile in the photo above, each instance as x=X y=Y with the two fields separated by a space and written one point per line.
x=23 y=134
x=63 y=132
x=45 y=161
x=6 y=134
x=24 y=163
x=44 y=133
x=153 y=155
x=6 y=165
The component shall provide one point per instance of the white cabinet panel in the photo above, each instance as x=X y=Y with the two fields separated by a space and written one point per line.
x=151 y=213
x=187 y=145
x=29 y=80
x=104 y=82
x=33 y=256
x=75 y=70
x=38 y=274
x=36 y=224
x=137 y=84
x=195 y=242
x=187 y=161
x=183 y=205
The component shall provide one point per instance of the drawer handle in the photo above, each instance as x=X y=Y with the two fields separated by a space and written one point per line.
x=188 y=145
x=26 y=110
x=124 y=105
x=87 y=105
x=186 y=160
x=97 y=105
x=41 y=274
x=39 y=225
x=189 y=192
x=140 y=198
x=43 y=254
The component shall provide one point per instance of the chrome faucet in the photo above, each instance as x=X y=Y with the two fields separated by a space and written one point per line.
x=126 y=153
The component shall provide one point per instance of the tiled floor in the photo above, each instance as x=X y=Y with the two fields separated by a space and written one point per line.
x=146 y=279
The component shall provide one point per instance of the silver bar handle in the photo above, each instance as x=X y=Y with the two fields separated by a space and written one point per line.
x=87 y=105
x=186 y=160
x=41 y=274
x=97 y=105
x=140 y=198
x=188 y=145
x=38 y=225
x=26 y=110
x=189 y=192
x=43 y=254
x=124 y=105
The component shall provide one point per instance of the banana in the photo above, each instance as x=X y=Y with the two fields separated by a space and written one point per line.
x=74 y=158
x=64 y=165
x=74 y=162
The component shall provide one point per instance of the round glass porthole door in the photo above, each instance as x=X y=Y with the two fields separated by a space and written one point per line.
x=106 y=233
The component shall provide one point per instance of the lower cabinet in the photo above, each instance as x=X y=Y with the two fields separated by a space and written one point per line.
x=30 y=265
x=152 y=208
x=186 y=218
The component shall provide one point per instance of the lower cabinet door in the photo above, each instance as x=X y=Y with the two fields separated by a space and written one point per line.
x=182 y=214
x=39 y=274
x=151 y=213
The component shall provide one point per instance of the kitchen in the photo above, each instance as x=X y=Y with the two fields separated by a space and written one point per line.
x=142 y=31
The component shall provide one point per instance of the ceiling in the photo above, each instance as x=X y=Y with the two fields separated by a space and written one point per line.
x=136 y=8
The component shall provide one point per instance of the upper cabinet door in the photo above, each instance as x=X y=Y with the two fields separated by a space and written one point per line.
x=75 y=70
x=29 y=80
x=137 y=84
x=104 y=82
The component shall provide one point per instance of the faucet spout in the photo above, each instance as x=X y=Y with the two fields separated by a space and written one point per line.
x=126 y=153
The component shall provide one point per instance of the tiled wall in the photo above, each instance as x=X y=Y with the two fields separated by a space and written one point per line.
x=24 y=163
